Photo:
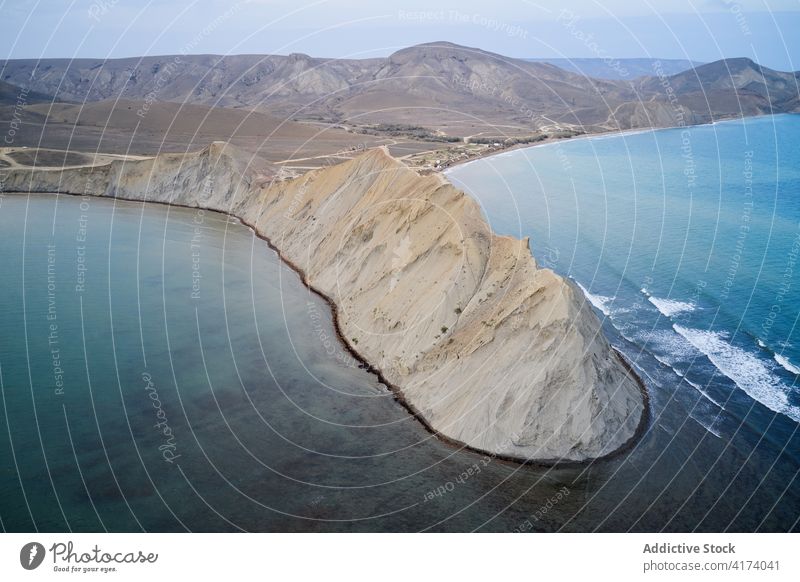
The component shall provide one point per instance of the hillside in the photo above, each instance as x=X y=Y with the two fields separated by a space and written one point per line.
x=431 y=92
x=729 y=88
x=449 y=78
x=14 y=95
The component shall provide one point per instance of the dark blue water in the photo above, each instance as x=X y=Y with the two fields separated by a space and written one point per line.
x=162 y=371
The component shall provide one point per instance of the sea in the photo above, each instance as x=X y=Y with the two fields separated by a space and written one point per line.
x=162 y=370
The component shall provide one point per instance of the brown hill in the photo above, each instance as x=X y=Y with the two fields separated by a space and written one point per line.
x=13 y=95
x=437 y=89
x=728 y=88
x=138 y=127
x=454 y=83
x=429 y=83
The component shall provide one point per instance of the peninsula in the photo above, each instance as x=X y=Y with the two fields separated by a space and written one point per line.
x=487 y=349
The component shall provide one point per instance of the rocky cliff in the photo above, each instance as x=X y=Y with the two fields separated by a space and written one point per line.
x=487 y=348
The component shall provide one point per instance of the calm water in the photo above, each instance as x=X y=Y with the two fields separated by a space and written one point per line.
x=167 y=373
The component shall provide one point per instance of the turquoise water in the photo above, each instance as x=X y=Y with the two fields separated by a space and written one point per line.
x=192 y=383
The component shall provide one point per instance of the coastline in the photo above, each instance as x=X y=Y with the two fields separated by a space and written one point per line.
x=505 y=376
x=611 y=133
x=400 y=398
x=396 y=391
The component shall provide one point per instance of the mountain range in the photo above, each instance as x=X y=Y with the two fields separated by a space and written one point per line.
x=436 y=92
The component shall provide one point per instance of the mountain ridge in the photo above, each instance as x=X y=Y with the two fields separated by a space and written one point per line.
x=440 y=82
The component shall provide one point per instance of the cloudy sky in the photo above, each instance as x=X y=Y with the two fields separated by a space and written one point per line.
x=703 y=30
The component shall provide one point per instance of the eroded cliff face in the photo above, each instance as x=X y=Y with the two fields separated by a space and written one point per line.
x=489 y=349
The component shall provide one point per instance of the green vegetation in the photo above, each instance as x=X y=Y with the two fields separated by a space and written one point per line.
x=566 y=134
x=524 y=139
x=403 y=130
x=509 y=141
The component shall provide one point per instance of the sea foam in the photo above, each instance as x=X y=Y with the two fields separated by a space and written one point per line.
x=670 y=307
x=746 y=370
x=709 y=425
x=787 y=365
x=699 y=388
x=600 y=302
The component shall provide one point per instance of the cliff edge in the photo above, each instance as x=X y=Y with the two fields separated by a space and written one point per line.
x=489 y=350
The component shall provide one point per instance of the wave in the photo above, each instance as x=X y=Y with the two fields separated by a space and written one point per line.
x=787 y=365
x=780 y=358
x=701 y=391
x=670 y=307
x=746 y=370
x=676 y=348
x=666 y=362
x=709 y=426
x=600 y=302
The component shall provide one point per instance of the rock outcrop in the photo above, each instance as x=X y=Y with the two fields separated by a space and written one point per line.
x=487 y=348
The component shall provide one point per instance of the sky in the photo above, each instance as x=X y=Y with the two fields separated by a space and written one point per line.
x=700 y=30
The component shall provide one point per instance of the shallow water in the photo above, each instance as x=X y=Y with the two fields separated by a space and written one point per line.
x=201 y=388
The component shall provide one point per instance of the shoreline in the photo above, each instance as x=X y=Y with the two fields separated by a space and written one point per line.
x=549 y=141
x=397 y=392
x=611 y=133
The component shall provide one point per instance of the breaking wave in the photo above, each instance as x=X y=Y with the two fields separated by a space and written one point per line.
x=670 y=307
x=746 y=370
x=600 y=302
x=787 y=365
